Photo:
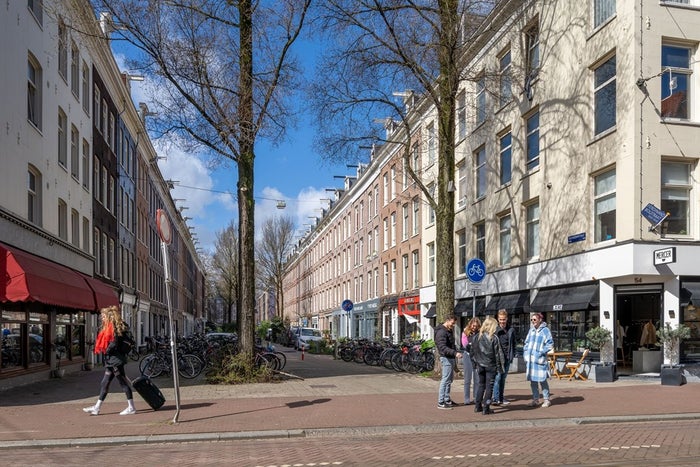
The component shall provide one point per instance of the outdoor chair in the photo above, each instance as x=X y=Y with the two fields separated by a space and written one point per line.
x=576 y=368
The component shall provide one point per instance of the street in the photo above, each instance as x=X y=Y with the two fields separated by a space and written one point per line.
x=632 y=444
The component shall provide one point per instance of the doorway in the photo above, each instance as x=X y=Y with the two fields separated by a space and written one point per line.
x=639 y=312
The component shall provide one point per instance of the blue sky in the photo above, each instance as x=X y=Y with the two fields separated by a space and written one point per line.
x=291 y=172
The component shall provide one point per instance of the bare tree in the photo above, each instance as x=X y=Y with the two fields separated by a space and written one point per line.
x=225 y=74
x=226 y=267
x=417 y=47
x=276 y=241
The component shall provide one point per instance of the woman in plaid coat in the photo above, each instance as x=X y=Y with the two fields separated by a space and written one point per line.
x=537 y=343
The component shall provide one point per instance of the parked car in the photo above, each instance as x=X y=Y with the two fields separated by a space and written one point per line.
x=221 y=339
x=304 y=336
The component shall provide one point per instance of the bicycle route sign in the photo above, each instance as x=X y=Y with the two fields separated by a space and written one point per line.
x=475 y=270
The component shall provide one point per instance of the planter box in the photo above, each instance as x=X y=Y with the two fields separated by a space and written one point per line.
x=646 y=361
x=672 y=376
x=605 y=373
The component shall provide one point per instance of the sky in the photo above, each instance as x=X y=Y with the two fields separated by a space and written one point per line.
x=291 y=172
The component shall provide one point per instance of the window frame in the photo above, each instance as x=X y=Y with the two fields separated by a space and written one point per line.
x=62 y=135
x=605 y=89
x=532 y=229
x=34 y=91
x=677 y=187
x=602 y=12
x=505 y=157
x=505 y=239
x=480 y=174
x=505 y=86
x=600 y=197
x=685 y=73
x=532 y=158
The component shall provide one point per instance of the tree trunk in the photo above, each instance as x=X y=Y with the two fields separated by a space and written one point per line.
x=246 y=203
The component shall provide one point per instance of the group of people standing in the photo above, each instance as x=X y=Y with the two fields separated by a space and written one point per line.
x=488 y=349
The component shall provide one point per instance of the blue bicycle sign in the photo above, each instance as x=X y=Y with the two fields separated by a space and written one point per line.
x=475 y=270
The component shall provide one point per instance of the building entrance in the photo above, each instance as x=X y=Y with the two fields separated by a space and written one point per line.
x=638 y=312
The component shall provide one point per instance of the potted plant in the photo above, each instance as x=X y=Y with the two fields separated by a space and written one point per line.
x=600 y=337
x=670 y=338
x=58 y=372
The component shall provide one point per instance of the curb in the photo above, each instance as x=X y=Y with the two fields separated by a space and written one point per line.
x=340 y=431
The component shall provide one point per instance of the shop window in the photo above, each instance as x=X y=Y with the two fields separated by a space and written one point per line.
x=23 y=343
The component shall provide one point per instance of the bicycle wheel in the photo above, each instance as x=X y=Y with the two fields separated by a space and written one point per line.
x=282 y=358
x=189 y=366
x=134 y=354
x=153 y=367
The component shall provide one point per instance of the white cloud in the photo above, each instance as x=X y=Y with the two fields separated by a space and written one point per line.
x=194 y=183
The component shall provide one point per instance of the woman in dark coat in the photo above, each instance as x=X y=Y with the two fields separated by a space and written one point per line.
x=113 y=342
x=488 y=359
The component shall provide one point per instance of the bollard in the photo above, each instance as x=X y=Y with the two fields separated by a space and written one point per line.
x=302 y=353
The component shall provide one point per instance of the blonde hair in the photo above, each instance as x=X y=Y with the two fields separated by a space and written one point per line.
x=468 y=327
x=489 y=326
x=112 y=315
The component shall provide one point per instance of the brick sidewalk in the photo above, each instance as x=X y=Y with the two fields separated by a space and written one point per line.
x=375 y=400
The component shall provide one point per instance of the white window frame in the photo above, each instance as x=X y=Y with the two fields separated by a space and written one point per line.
x=603 y=10
x=605 y=196
x=62 y=132
x=505 y=157
x=504 y=79
x=34 y=91
x=532 y=138
x=505 y=236
x=605 y=89
x=430 y=249
x=480 y=172
x=532 y=216
x=676 y=191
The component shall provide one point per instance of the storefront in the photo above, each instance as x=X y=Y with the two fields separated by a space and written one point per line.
x=44 y=308
x=409 y=317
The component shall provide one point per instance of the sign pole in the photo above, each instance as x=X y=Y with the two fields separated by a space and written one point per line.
x=165 y=235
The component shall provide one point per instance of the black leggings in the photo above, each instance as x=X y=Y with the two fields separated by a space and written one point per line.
x=110 y=373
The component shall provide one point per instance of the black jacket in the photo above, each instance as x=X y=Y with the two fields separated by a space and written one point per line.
x=507 y=338
x=487 y=352
x=445 y=342
x=115 y=355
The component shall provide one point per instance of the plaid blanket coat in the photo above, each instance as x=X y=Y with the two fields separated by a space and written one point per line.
x=537 y=343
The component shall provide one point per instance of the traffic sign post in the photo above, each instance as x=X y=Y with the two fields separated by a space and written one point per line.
x=476 y=271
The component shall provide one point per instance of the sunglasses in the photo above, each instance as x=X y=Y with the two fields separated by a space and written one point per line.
x=533 y=319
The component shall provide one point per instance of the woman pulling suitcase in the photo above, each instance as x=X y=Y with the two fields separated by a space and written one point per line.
x=114 y=343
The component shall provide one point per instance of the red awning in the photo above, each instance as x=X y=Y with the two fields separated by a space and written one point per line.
x=104 y=294
x=29 y=278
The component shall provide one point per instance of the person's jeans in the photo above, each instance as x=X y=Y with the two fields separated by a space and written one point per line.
x=446 y=381
x=468 y=376
x=485 y=390
x=535 y=391
x=500 y=384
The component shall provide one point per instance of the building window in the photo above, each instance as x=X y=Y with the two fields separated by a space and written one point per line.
x=34 y=79
x=462 y=183
x=86 y=88
x=86 y=235
x=386 y=278
x=505 y=158
x=110 y=260
x=533 y=140
x=431 y=210
x=96 y=249
x=605 y=96
x=416 y=269
x=675 y=197
x=75 y=228
x=504 y=236
x=415 y=160
x=74 y=152
x=533 y=230
x=461 y=116
x=405 y=224
x=62 y=220
x=97 y=112
x=385 y=184
x=675 y=80
x=103 y=198
x=480 y=101
x=86 y=163
x=393 y=276
x=34 y=196
x=393 y=229
x=461 y=251
x=103 y=252
x=386 y=233
x=105 y=120
x=480 y=240
x=532 y=43
x=431 y=262
x=62 y=49
x=480 y=172
x=75 y=70
x=416 y=216
x=504 y=86
x=110 y=133
x=37 y=9
x=404 y=274
x=432 y=144
x=96 y=178
x=605 y=206
x=393 y=182
x=62 y=138
x=602 y=11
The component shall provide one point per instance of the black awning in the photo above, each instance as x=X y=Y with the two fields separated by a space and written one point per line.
x=581 y=297
x=431 y=312
x=464 y=306
x=513 y=303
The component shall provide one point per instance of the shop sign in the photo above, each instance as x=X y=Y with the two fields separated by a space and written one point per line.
x=665 y=256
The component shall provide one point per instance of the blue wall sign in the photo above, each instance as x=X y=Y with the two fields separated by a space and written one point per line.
x=475 y=270
x=579 y=237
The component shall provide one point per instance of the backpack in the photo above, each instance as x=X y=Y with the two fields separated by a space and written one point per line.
x=125 y=342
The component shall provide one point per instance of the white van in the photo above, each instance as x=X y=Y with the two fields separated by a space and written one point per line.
x=305 y=336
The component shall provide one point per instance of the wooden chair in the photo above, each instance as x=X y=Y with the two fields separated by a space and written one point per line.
x=576 y=368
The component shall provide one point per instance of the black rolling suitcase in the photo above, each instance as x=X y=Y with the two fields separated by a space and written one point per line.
x=149 y=391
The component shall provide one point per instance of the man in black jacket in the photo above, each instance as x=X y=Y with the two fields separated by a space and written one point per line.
x=445 y=343
x=506 y=336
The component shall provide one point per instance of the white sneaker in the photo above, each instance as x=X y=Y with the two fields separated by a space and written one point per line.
x=91 y=410
x=546 y=403
x=128 y=411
